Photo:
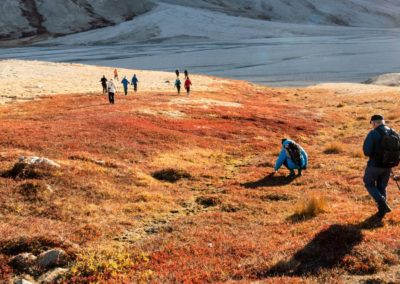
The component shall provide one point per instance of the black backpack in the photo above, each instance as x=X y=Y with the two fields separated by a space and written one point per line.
x=294 y=152
x=388 y=155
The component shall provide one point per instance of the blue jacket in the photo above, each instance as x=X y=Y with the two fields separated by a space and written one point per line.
x=371 y=145
x=125 y=82
x=283 y=156
x=134 y=80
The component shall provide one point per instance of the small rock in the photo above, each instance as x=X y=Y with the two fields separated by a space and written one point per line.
x=53 y=275
x=38 y=161
x=32 y=167
x=22 y=261
x=52 y=258
x=22 y=281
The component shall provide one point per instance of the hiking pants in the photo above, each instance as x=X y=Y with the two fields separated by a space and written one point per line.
x=135 y=87
x=188 y=90
x=126 y=91
x=376 y=180
x=179 y=89
x=111 y=97
x=104 y=88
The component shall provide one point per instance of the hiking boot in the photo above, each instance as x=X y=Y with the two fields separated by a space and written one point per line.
x=383 y=209
x=300 y=173
x=381 y=214
x=292 y=174
x=387 y=208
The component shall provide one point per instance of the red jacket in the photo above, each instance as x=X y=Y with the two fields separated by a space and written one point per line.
x=187 y=83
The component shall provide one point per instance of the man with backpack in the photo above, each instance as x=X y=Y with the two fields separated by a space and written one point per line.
x=125 y=83
x=382 y=146
x=135 y=82
x=103 y=81
x=292 y=156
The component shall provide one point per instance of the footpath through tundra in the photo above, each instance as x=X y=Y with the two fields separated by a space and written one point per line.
x=145 y=194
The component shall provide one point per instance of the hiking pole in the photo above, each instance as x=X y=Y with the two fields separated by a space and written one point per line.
x=396 y=179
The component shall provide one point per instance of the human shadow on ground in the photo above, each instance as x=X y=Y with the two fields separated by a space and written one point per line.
x=325 y=251
x=270 y=180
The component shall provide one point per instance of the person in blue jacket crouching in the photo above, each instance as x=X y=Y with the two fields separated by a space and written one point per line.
x=293 y=157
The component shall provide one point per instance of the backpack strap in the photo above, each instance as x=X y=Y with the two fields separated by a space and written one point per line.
x=382 y=132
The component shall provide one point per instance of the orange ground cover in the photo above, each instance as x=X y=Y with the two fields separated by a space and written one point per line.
x=229 y=221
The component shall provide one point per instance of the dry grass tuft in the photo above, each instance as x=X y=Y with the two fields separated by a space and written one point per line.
x=334 y=148
x=35 y=191
x=100 y=266
x=309 y=208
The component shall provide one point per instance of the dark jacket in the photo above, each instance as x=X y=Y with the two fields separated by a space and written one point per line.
x=371 y=145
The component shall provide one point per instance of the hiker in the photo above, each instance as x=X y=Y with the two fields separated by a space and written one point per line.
x=188 y=83
x=382 y=146
x=292 y=156
x=116 y=74
x=186 y=74
x=177 y=73
x=104 y=84
x=178 y=85
x=135 y=82
x=112 y=89
x=125 y=83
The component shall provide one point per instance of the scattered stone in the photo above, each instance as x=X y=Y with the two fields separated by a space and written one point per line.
x=22 y=281
x=38 y=161
x=23 y=261
x=52 y=258
x=32 y=167
x=53 y=275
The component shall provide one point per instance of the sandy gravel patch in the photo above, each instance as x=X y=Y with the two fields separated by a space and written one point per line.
x=203 y=102
x=29 y=79
x=353 y=88
x=169 y=113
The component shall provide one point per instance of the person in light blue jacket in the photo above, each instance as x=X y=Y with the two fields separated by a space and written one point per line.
x=290 y=159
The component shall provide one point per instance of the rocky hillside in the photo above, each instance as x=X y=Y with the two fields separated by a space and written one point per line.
x=355 y=13
x=26 y=18
x=44 y=18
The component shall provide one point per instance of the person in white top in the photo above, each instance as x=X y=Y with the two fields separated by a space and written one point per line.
x=112 y=89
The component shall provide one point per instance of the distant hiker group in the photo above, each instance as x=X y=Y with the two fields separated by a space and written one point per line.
x=110 y=87
x=178 y=82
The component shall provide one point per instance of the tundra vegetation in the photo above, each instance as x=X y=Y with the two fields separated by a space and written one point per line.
x=143 y=195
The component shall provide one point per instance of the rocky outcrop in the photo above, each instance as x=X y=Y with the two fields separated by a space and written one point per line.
x=32 y=167
x=390 y=80
x=31 y=18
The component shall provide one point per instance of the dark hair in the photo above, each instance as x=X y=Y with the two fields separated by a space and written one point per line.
x=376 y=117
x=284 y=140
